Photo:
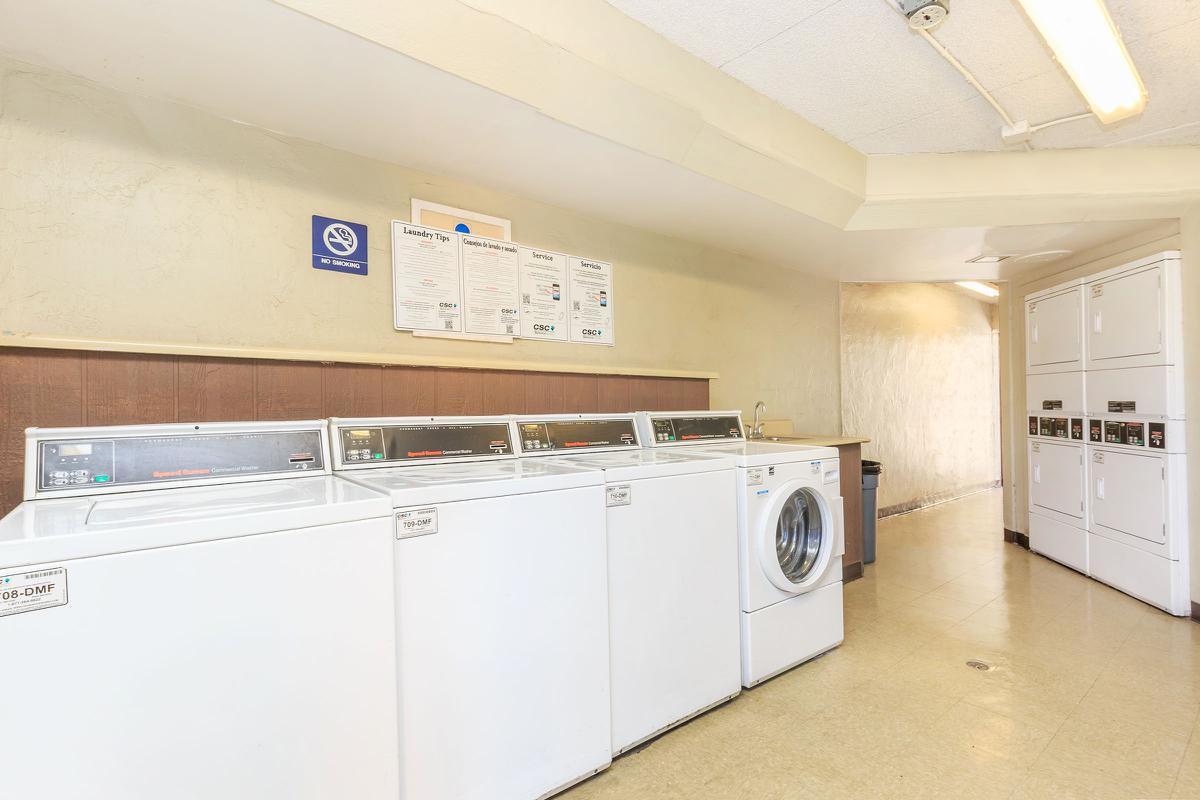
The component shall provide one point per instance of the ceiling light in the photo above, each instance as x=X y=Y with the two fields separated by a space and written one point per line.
x=985 y=289
x=987 y=259
x=1088 y=45
x=924 y=15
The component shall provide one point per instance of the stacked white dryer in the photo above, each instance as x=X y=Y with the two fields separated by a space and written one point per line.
x=1137 y=515
x=1106 y=351
x=1055 y=391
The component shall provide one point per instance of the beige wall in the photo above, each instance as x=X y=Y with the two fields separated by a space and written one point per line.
x=919 y=379
x=154 y=224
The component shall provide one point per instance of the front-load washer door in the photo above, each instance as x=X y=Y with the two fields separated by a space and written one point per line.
x=798 y=539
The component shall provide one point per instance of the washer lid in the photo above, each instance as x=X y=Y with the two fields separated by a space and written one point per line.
x=647 y=463
x=39 y=531
x=473 y=480
x=764 y=454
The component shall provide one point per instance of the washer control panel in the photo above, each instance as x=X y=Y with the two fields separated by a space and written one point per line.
x=1057 y=427
x=695 y=429
x=364 y=445
x=77 y=463
x=1151 y=435
x=536 y=436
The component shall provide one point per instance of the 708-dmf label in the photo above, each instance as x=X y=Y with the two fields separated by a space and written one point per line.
x=32 y=591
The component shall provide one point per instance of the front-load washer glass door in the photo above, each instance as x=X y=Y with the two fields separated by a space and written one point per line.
x=798 y=539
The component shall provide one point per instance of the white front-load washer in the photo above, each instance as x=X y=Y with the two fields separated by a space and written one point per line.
x=672 y=569
x=501 y=605
x=193 y=612
x=790 y=537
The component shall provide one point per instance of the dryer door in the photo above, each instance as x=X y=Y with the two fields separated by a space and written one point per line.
x=1126 y=314
x=798 y=538
x=1053 y=332
x=1129 y=494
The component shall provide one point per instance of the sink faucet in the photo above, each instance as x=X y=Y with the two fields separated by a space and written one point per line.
x=756 y=430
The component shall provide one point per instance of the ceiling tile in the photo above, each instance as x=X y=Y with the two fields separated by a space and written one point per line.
x=1138 y=19
x=1187 y=134
x=719 y=30
x=994 y=40
x=1047 y=96
x=970 y=124
x=853 y=69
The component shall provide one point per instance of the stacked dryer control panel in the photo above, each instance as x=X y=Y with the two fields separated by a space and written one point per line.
x=1106 y=437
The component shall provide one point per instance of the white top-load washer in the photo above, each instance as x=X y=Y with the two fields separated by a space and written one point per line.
x=672 y=569
x=501 y=605
x=192 y=612
x=790 y=537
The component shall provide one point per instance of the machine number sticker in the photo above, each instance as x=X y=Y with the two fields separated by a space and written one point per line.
x=416 y=522
x=1098 y=290
x=754 y=477
x=619 y=495
x=32 y=591
x=1098 y=458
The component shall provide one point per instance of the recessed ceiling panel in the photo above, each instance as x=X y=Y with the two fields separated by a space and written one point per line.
x=743 y=24
x=853 y=68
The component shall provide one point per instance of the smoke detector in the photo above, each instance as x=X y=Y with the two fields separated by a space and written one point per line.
x=924 y=15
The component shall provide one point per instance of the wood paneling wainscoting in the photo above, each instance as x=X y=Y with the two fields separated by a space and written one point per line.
x=50 y=388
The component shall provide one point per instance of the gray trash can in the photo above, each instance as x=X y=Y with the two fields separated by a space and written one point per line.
x=870 y=482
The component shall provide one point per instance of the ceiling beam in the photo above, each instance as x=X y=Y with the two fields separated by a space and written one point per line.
x=585 y=64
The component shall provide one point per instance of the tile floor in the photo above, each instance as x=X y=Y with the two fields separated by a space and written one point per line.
x=1093 y=694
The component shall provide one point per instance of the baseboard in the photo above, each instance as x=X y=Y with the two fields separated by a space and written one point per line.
x=936 y=499
x=1012 y=537
x=852 y=572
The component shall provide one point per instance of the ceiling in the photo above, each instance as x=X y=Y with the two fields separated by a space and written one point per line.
x=853 y=68
x=252 y=61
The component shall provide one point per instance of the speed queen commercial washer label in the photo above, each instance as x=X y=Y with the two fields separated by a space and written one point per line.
x=32 y=591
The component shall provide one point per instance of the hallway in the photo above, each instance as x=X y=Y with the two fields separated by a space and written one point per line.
x=1090 y=693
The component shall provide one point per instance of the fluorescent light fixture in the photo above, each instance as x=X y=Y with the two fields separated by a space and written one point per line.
x=982 y=288
x=996 y=259
x=1088 y=45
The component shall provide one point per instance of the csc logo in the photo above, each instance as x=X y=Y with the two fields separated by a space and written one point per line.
x=508 y=311
x=543 y=328
x=448 y=305
x=591 y=332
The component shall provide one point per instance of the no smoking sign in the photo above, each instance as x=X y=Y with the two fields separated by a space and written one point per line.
x=339 y=245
